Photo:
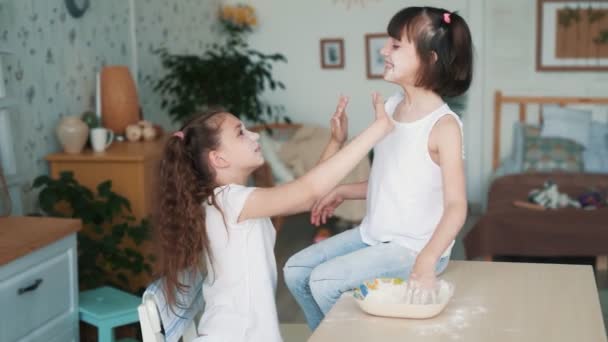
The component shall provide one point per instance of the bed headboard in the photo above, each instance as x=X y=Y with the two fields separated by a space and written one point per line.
x=522 y=102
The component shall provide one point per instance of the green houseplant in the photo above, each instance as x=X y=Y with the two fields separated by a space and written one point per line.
x=103 y=258
x=231 y=75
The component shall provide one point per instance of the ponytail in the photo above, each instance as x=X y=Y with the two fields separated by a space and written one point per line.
x=186 y=181
x=461 y=66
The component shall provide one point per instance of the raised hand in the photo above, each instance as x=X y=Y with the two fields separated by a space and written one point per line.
x=380 y=113
x=339 y=122
x=324 y=207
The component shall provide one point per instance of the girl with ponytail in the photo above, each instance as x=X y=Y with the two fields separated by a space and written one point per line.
x=210 y=221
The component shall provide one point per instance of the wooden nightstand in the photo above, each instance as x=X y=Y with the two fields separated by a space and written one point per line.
x=131 y=166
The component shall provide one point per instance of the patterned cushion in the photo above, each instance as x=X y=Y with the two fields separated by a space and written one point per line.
x=550 y=154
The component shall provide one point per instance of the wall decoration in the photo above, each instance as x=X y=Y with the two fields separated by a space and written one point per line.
x=332 y=53
x=571 y=35
x=76 y=8
x=374 y=61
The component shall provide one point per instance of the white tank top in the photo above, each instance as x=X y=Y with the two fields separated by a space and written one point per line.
x=405 y=187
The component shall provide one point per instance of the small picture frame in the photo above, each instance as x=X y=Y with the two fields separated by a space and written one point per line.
x=332 y=53
x=374 y=60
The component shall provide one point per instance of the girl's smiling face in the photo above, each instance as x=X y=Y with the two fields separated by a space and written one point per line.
x=401 y=60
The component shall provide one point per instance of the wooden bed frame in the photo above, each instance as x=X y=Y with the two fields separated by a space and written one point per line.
x=522 y=102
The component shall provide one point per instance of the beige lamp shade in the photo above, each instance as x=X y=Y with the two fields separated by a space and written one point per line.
x=119 y=102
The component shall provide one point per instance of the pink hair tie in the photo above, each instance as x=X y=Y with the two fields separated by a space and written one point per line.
x=179 y=134
x=446 y=17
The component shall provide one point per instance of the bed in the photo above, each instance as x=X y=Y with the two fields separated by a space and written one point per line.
x=505 y=229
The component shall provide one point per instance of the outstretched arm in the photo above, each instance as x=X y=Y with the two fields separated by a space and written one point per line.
x=324 y=207
x=299 y=195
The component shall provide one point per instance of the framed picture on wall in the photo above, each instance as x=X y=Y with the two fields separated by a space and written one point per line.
x=332 y=53
x=374 y=61
x=572 y=35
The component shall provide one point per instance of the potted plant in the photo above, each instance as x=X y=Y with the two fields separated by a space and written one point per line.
x=231 y=74
x=103 y=256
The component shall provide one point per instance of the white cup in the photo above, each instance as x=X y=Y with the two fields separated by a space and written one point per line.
x=101 y=138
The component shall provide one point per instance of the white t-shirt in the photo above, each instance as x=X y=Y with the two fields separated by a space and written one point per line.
x=405 y=186
x=239 y=289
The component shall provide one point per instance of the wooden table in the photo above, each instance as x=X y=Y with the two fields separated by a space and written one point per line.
x=493 y=302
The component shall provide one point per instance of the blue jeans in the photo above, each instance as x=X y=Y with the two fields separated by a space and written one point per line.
x=318 y=275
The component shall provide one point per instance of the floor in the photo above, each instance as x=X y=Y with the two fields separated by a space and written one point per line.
x=297 y=234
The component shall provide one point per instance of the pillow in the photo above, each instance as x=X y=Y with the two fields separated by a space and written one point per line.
x=552 y=154
x=573 y=124
x=596 y=154
x=270 y=150
x=598 y=135
x=520 y=132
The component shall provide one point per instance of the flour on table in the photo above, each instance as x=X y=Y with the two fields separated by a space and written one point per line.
x=451 y=323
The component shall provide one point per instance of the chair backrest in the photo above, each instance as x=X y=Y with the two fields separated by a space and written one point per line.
x=151 y=329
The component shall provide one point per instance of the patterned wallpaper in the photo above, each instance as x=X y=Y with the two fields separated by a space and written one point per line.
x=51 y=72
x=183 y=27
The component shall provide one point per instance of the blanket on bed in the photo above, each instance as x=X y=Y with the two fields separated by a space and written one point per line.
x=508 y=230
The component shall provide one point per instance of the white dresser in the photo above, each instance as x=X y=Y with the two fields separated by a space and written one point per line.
x=38 y=279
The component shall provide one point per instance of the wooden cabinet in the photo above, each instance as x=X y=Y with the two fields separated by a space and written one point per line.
x=131 y=166
x=38 y=279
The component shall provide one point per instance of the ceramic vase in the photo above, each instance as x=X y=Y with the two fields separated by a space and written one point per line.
x=72 y=133
x=119 y=101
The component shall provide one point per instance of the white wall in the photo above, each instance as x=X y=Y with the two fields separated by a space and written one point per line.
x=294 y=29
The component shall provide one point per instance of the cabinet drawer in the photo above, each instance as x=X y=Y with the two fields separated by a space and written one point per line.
x=35 y=296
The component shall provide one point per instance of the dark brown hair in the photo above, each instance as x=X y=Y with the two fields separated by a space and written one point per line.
x=450 y=74
x=186 y=181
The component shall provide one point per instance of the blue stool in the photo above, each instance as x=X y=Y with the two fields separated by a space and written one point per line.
x=107 y=308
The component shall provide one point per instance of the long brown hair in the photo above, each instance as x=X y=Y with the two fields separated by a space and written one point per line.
x=186 y=181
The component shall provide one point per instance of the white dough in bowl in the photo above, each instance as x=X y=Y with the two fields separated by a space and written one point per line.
x=389 y=297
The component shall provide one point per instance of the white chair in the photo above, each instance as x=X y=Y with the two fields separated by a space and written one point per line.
x=155 y=314
x=151 y=329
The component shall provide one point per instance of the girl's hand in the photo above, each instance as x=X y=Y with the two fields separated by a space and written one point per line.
x=423 y=281
x=339 y=122
x=325 y=206
x=423 y=273
x=382 y=116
